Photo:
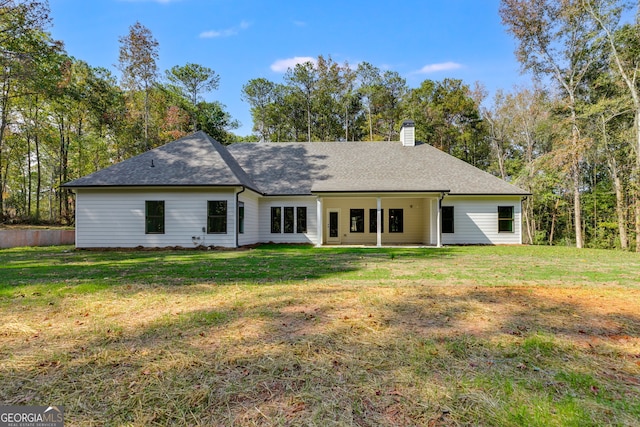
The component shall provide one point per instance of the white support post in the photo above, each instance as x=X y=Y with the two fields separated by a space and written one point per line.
x=439 y=224
x=379 y=222
x=319 y=220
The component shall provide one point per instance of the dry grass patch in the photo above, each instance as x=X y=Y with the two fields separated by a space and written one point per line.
x=326 y=337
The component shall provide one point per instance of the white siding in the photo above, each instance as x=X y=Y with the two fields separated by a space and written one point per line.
x=476 y=220
x=116 y=218
x=251 y=233
x=266 y=203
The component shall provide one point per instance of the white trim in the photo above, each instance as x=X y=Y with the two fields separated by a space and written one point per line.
x=378 y=222
x=319 y=220
x=439 y=223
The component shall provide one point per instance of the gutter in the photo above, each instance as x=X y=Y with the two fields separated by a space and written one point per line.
x=237 y=215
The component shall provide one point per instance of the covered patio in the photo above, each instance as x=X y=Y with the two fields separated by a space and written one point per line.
x=379 y=219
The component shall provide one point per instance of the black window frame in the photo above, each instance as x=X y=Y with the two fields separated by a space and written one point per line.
x=358 y=225
x=217 y=220
x=373 y=220
x=288 y=220
x=301 y=219
x=447 y=222
x=396 y=220
x=154 y=216
x=509 y=220
x=276 y=219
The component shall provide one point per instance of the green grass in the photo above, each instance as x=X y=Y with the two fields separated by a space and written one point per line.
x=295 y=335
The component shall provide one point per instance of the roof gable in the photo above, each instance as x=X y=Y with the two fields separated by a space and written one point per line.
x=194 y=160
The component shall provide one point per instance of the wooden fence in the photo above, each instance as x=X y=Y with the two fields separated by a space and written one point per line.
x=36 y=237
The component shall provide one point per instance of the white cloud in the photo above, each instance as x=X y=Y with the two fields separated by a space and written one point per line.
x=282 y=65
x=299 y=23
x=434 y=68
x=227 y=32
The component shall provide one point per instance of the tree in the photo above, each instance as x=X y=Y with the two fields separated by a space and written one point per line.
x=556 y=38
x=624 y=49
x=369 y=78
x=610 y=116
x=498 y=124
x=137 y=62
x=215 y=121
x=326 y=103
x=25 y=48
x=189 y=81
x=105 y=100
x=259 y=93
x=447 y=117
x=349 y=100
x=304 y=79
x=388 y=97
x=519 y=123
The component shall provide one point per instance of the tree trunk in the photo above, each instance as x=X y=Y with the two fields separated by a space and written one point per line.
x=146 y=118
x=3 y=126
x=36 y=142
x=577 y=206
x=309 y=118
x=620 y=210
x=637 y=203
x=39 y=177
x=370 y=122
x=636 y=176
x=29 y=180
x=346 y=124
x=554 y=214
x=527 y=222
x=575 y=176
x=63 y=175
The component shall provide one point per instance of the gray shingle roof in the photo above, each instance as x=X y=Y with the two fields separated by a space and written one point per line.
x=304 y=168
x=300 y=168
x=195 y=160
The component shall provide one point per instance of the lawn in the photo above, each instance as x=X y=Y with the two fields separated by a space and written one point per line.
x=291 y=335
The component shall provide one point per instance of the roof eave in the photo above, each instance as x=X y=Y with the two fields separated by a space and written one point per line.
x=376 y=192
x=491 y=194
x=142 y=186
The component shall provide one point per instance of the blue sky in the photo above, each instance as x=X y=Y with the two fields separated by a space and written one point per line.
x=243 y=39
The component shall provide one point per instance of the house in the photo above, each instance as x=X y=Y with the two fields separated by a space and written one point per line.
x=195 y=191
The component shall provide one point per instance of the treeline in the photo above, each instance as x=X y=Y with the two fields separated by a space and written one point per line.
x=572 y=139
x=61 y=118
x=326 y=101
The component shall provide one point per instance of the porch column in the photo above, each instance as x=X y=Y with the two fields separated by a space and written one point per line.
x=379 y=222
x=319 y=219
x=439 y=224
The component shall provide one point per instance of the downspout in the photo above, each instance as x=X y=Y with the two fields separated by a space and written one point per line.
x=439 y=221
x=238 y=215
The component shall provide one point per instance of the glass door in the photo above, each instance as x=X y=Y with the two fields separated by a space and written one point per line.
x=333 y=224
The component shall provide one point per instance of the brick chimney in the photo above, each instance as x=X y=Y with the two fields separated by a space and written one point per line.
x=408 y=133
